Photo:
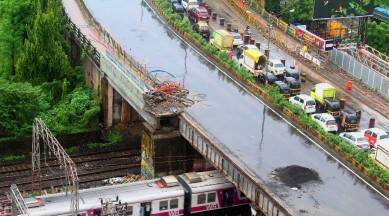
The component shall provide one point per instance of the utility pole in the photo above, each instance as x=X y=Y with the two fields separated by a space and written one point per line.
x=18 y=204
x=43 y=136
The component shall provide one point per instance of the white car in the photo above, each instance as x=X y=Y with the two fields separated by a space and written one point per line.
x=326 y=121
x=356 y=139
x=304 y=101
x=276 y=67
x=237 y=39
x=189 y=4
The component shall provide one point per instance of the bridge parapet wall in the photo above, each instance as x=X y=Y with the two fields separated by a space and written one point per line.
x=234 y=170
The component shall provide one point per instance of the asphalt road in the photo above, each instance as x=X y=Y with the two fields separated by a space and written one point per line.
x=255 y=134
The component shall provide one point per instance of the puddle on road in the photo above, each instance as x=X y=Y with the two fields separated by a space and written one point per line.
x=294 y=176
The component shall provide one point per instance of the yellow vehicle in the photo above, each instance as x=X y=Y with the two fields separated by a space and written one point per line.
x=254 y=61
x=325 y=97
x=222 y=39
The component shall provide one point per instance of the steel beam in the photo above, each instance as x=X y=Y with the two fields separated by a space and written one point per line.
x=233 y=168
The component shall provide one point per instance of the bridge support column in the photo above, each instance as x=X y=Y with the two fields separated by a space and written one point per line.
x=107 y=102
x=165 y=152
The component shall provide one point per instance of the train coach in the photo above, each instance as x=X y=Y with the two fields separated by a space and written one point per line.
x=186 y=194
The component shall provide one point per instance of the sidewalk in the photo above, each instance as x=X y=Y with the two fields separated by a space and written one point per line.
x=360 y=98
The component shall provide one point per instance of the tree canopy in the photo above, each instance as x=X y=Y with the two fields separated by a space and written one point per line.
x=37 y=78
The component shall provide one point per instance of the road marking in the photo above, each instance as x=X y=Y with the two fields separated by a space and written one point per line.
x=250 y=93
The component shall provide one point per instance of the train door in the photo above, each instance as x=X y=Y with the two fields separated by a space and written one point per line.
x=145 y=209
x=228 y=195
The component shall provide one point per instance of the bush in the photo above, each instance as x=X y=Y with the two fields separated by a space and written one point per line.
x=8 y=158
x=114 y=137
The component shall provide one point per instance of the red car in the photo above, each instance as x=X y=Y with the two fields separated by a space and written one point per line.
x=376 y=136
x=198 y=14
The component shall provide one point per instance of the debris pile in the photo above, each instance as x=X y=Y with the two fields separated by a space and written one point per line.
x=126 y=179
x=167 y=97
x=294 y=176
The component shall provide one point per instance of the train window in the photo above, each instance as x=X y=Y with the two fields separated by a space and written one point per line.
x=173 y=203
x=211 y=197
x=163 y=205
x=201 y=199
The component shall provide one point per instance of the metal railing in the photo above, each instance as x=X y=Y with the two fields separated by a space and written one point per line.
x=116 y=48
x=375 y=80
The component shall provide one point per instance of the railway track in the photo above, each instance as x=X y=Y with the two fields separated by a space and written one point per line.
x=90 y=171
x=90 y=164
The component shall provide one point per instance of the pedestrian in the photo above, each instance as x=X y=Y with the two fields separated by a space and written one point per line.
x=229 y=53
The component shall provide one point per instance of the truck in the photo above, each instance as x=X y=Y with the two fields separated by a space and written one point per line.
x=254 y=61
x=325 y=96
x=222 y=39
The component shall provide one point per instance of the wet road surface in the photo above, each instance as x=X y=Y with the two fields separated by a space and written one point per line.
x=256 y=135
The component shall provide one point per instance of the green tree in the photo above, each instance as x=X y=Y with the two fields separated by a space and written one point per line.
x=44 y=58
x=20 y=103
x=273 y=6
x=14 y=17
x=297 y=10
x=378 y=36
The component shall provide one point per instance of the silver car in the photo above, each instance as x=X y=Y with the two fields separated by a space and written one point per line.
x=356 y=139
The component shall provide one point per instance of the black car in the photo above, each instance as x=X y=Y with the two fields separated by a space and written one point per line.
x=332 y=107
x=268 y=78
x=283 y=87
x=293 y=84
x=292 y=72
x=178 y=8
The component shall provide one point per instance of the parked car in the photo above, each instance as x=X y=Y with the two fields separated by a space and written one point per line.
x=178 y=8
x=357 y=139
x=376 y=136
x=202 y=28
x=293 y=84
x=326 y=121
x=268 y=78
x=196 y=14
x=304 y=101
x=188 y=4
x=283 y=88
x=237 y=39
x=292 y=72
x=276 y=67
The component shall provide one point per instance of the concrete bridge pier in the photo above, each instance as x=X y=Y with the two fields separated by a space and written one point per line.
x=166 y=152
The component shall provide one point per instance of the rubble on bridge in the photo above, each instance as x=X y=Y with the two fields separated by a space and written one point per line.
x=167 y=98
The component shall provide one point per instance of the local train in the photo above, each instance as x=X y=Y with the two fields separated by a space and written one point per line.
x=186 y=194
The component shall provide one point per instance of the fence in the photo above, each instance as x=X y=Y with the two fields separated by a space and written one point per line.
x=316 y=56
x=371 y=78
x=118 y=51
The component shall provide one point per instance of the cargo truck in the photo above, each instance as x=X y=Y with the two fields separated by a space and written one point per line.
x=254 y=61
x=222 y=39
x=325 y=97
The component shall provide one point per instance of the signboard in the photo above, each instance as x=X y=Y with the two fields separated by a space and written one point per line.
x=324 y=9
x=313 y=39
